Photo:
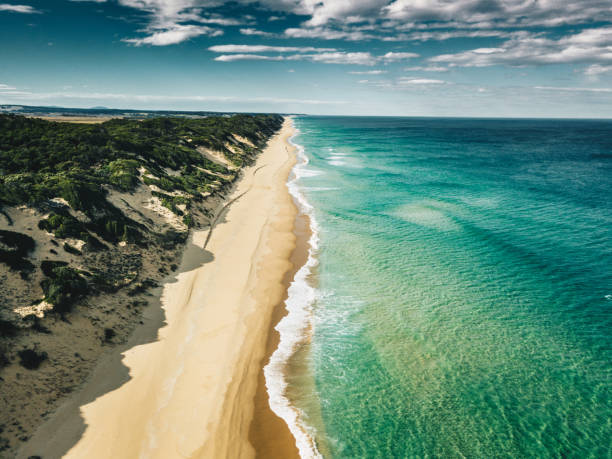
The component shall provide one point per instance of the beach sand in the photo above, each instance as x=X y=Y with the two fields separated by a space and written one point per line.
x=191 y=386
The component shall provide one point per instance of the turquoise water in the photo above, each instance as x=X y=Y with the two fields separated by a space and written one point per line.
x=464 y=288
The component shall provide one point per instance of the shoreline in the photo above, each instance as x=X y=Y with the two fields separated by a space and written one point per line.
x=295 y=327
x=269 y=434
x=191 y=389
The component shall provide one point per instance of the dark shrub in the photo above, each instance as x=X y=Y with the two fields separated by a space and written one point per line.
x=63 y=287
x=62 y=226
x=109 y=334
x=14 y=247
x=94 y=244
x=73 y=250
x=47 y=266
x=31 y=359
x=7 y=329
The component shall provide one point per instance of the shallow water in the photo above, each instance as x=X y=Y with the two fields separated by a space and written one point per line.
x=464 y=288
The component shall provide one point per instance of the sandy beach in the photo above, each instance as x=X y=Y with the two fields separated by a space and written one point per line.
x=189 y=390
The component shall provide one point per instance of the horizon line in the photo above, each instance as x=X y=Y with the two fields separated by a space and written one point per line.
x=146 y=110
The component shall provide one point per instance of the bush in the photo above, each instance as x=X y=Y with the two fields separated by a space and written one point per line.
x=73 y=250
x=63 y=287
x=188 y=220
x=47 y=266
x=14 y=247
x=63 y=226
x=116 y=228
x=109 y=334
x=94 y=244
x=31 y=359
x=123 y=174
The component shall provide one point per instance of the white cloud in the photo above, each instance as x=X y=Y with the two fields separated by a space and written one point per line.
x=15 y=93
x=447 y=35
x=419 y=81
x=410 y=20
x=174 y=35
x=171 y=21
x=266 y=49
x=6 y=87
x=573 y=89
x=322 y=55
x=391 y=20
x=221 y=21
x=394 y=57
x=428 y=68
x=27 y=9
x=406 y=83
x=260 y=33
x=514 y=13
x=337 y=57
x=325 y=33
x=369 y=72
x=590 y=45
x=247 y=57
x=597 y=69
x=359 y=58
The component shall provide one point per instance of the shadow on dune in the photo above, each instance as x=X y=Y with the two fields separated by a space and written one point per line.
x=66 y=426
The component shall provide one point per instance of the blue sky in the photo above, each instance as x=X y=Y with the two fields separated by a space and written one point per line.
x=534 y=58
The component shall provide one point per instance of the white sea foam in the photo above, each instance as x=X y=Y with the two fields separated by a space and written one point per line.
x=337 y=159
x=320 y=188
x=295 y=325
x=309 y=172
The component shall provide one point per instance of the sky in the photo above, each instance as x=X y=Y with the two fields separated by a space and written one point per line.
x=482 y=58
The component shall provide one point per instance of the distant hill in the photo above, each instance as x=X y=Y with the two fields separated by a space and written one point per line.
x=105 y=111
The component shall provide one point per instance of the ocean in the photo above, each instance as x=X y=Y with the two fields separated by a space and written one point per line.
x=458 y=297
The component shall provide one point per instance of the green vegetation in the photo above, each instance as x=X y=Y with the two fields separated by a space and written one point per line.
x=66 y=171
x=42 y=160
x=63 y=285
x=63 y=226
x=70 y=249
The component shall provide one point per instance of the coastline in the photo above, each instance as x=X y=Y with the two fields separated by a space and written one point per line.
x=191 y=389
x=269 y=434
